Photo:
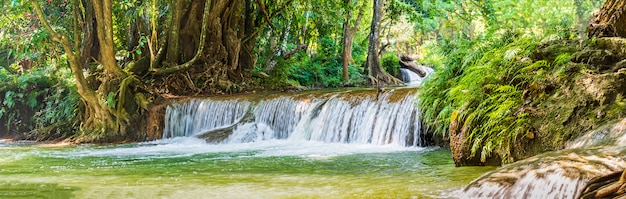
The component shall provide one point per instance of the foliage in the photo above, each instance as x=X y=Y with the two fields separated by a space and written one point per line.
x=474 y=45
x=36 y=100
x=390 y=62
x=316 y=72
x=484 y=75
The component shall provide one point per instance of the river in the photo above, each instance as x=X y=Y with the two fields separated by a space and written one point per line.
x=190 y=168
x=347 y=144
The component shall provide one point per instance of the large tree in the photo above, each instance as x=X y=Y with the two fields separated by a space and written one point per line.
x=216 y=55
x=201 y=47
x=376 y=73
x=106 y=116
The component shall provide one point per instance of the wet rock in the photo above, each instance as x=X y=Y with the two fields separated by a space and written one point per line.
x=461 y=151
x=217 y=135
x=598 y=187
x=560 y=174
x=153 y=123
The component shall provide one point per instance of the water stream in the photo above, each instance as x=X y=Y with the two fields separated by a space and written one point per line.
x=340 y=144
x=189 y=168
x=411 y=78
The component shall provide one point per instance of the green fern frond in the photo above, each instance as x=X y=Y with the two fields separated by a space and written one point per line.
x=535 y=66
x=562 y=59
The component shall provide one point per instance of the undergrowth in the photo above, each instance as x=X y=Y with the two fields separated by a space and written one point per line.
x=485 y=86
x=40 y=104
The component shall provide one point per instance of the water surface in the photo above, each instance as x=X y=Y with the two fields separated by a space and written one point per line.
x=190 y=168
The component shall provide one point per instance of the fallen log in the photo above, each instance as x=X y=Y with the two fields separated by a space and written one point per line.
x=412 y=66
x=409 y=58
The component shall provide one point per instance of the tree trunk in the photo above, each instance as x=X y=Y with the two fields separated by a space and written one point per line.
x=231 y=35
x=104 y=27
x=109 y=110
x=609 y=21
x=408 y=62
x=90 y=48
x=348 y=37
x=247 y=58
x=174 y=29
x=376 y=73
x=346 y=42
x=96 y=116
x=306 y=23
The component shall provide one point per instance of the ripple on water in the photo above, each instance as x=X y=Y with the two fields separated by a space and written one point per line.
x=268 y=169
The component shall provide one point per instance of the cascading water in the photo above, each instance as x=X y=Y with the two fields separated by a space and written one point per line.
x=411 y=78
x=360 y=117
x=558 y=174
x=197 y=115
x=345 y=144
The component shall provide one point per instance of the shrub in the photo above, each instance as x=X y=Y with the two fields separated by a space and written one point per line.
x=390 y=63
x=38 y=105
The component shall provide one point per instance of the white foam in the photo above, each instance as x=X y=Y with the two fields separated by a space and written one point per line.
x=339 y=118
x=188 y=146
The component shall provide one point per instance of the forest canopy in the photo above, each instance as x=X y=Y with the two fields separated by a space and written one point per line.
x=112 y=59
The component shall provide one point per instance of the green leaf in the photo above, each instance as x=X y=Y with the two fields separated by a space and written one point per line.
x=8 y=99
x=31 y=100
x=111 y=100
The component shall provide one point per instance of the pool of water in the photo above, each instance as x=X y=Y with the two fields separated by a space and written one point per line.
x=190 y=168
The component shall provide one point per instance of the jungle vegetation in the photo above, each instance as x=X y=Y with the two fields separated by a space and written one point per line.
x=90 y=69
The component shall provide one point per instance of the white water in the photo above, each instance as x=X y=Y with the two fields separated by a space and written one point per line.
x=411 y=78
x=189 y=146
x=197 y=115
x=340 y=118
x=559 y=174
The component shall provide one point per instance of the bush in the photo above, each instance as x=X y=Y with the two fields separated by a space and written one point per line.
x=482 y=88
x=390 y=63
x=37 y=105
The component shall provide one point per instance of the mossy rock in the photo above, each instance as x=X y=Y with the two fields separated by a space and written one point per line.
x=598 y=59
x=552 y=50
x=567 y=99
x=616 y=44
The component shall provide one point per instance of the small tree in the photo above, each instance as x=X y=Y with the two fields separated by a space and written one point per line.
x=349 y=29
x=375 y=71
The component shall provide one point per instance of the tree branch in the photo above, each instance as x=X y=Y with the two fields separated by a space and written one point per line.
x=281 y=9
x=53 y=34
x=264 y=12
x=359 y=17
x=294 y=51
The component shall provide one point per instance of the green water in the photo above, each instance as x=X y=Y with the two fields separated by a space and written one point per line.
x=274 y=169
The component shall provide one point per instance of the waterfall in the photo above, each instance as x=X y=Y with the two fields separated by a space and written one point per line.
x=353 y=117
x=411 y=78
x=184 y=119
x=557 y=174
